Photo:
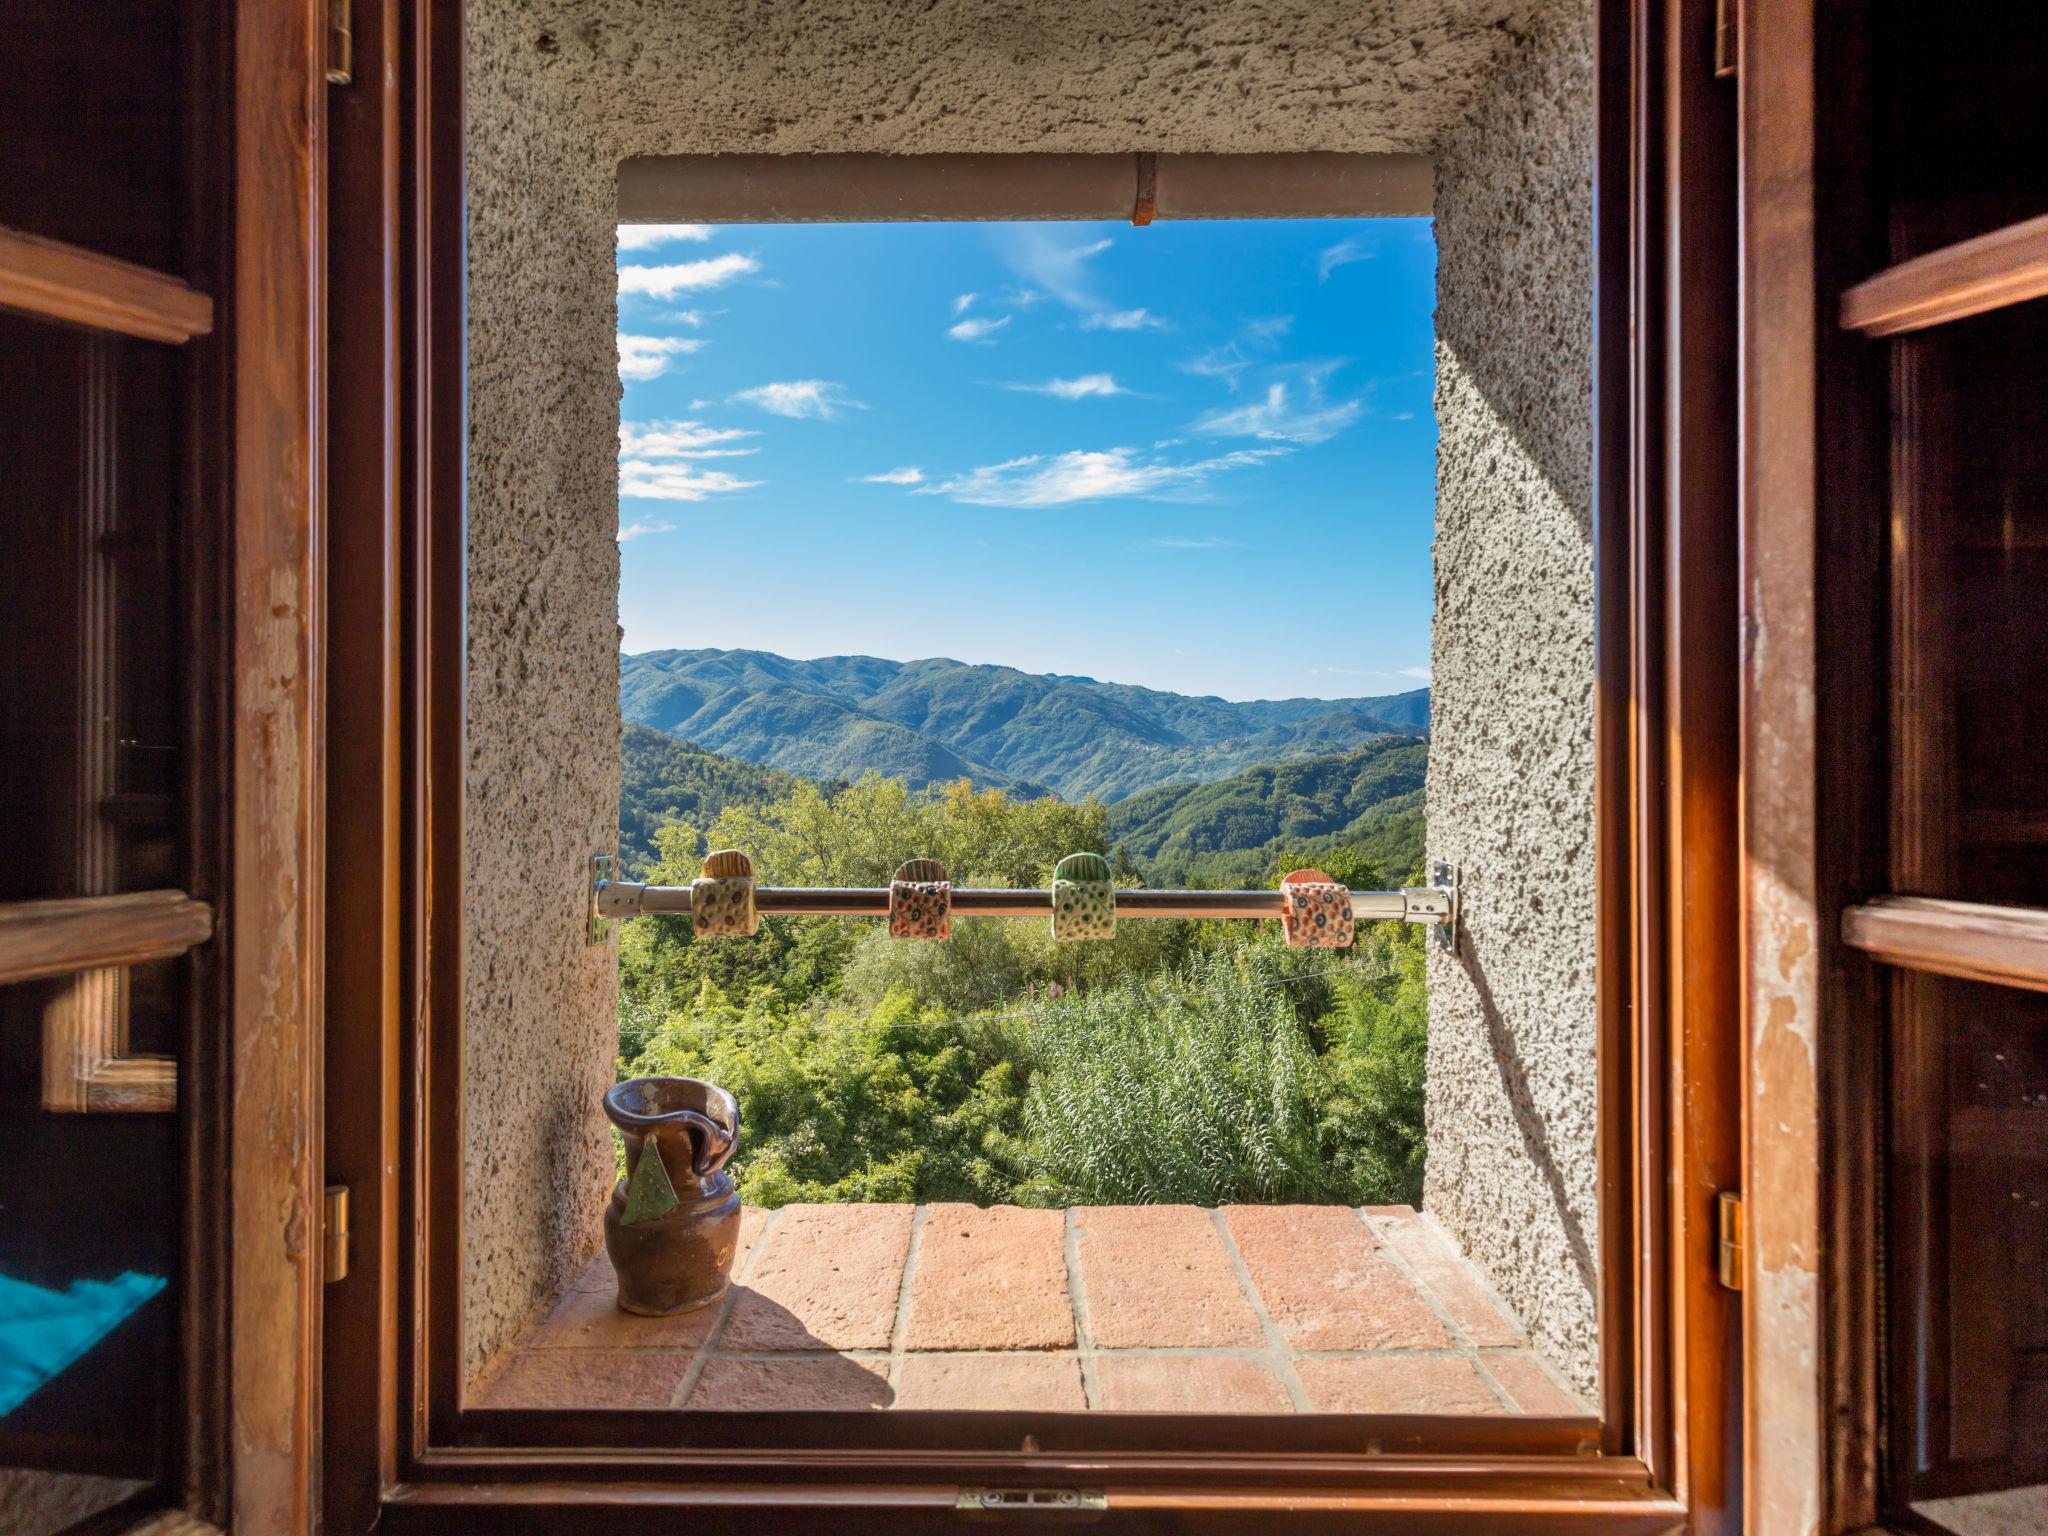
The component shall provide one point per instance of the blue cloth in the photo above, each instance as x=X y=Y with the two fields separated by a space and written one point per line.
x=43 y=1332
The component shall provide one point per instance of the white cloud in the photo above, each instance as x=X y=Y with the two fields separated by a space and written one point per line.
x=1052 y=264
x=652 y=480
x=687 y=276
x=680 y=440
x=1342 y=254
x=976 y=328
x=1276 y=420
x=910 y=474
x=1192 y=544
x=686 y=316
x=1038 y=481
x=647 y=357
x=963 y=302
x=1421 y=674
x=632 y=531
x=1225 y=362
x=645 y=237
x=1087 y=386
x=1123 y=320
x=800 y=398
x=1270 y=328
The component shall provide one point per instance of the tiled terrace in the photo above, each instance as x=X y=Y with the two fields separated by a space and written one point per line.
x=1248 y=1309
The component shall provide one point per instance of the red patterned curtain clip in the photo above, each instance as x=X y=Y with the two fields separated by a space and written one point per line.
x=1316 y=913
x=920 y=901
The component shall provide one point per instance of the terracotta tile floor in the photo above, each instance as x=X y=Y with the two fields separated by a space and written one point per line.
x=1164 y=1308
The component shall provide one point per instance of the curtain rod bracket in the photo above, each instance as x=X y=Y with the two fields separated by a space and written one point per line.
x=1146 y=203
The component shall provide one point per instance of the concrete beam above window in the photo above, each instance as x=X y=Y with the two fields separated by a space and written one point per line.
x=779 y=189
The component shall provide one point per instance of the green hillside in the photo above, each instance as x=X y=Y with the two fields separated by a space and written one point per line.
x=1367 y=802
x=668 y=780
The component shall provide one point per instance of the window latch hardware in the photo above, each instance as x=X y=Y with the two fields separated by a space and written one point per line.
x=334 y=1234
x=341 y=42
x=1083 y=1503
x=1729 y=1219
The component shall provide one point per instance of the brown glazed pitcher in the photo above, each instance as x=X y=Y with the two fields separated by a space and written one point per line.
x=673 y=1221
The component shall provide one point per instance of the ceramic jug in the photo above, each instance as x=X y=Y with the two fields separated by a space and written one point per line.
x=673 y=1221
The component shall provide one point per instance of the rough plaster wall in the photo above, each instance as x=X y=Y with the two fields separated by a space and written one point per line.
x=543 y=760
x=1511 y=1101
x=560 y=91
x=34 y=1503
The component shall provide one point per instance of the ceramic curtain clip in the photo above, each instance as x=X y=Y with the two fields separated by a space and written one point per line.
x=920 y=901
x=1083 y=898
x=722 y=898
x=1316 y=913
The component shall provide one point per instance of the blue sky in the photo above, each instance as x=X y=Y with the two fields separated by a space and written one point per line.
x=1196 y=456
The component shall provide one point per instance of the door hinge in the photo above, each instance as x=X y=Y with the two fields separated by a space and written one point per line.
x=1724 y=39
x=1083 y=1503
x=334 y=1234
x=341 y=42
x=1729 y=1219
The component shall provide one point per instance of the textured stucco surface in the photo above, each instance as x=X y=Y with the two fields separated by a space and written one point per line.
x=559 y=93
x=1511 y=1100
x=35 y=1503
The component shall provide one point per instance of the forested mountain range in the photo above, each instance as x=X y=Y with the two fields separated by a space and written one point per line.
x=936 y=720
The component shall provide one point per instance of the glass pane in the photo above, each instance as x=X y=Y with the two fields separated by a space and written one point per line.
x=1970 y=1240
x=91 y=778
x=1973 y=568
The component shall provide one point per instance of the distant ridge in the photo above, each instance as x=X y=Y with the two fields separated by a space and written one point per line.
x=936 y=719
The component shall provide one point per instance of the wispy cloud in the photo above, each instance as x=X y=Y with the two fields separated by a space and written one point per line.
x=680 y=440
x=1230 y=361
x=648 y=357
x=631 y=531
x=910 y=474
x=1192 y=544
x=1123 y=320
x=963 y=302
x=1088 y=386
x=1226 y=362
x=651 y=480
x=1054 y=264
x=976 y=328
x=1278 y=418
x=686 y=276
x=1418 y=674
x=818 y=399
x=1342 y=254
x=645 y=237
x=1040 y=481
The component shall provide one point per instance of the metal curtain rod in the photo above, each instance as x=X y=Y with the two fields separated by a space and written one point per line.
x=1436 y=905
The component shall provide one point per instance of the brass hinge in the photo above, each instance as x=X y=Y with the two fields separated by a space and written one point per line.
x=334 y=1234
x=1724 y=39
x=1729 y=1212
x=341 y=42
x=1082 y=1503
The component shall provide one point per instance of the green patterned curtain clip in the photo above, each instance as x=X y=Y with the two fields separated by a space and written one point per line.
x=722 y=898
x=1083 y=898
x=920 y=901
x=650 y=1195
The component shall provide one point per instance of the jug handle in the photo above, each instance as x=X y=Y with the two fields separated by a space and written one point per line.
x=712 y=1145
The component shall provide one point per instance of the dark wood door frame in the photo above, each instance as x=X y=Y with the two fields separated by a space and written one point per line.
x=399 y=1446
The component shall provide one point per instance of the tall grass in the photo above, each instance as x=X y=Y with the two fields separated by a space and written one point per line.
x=1199 y=1088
